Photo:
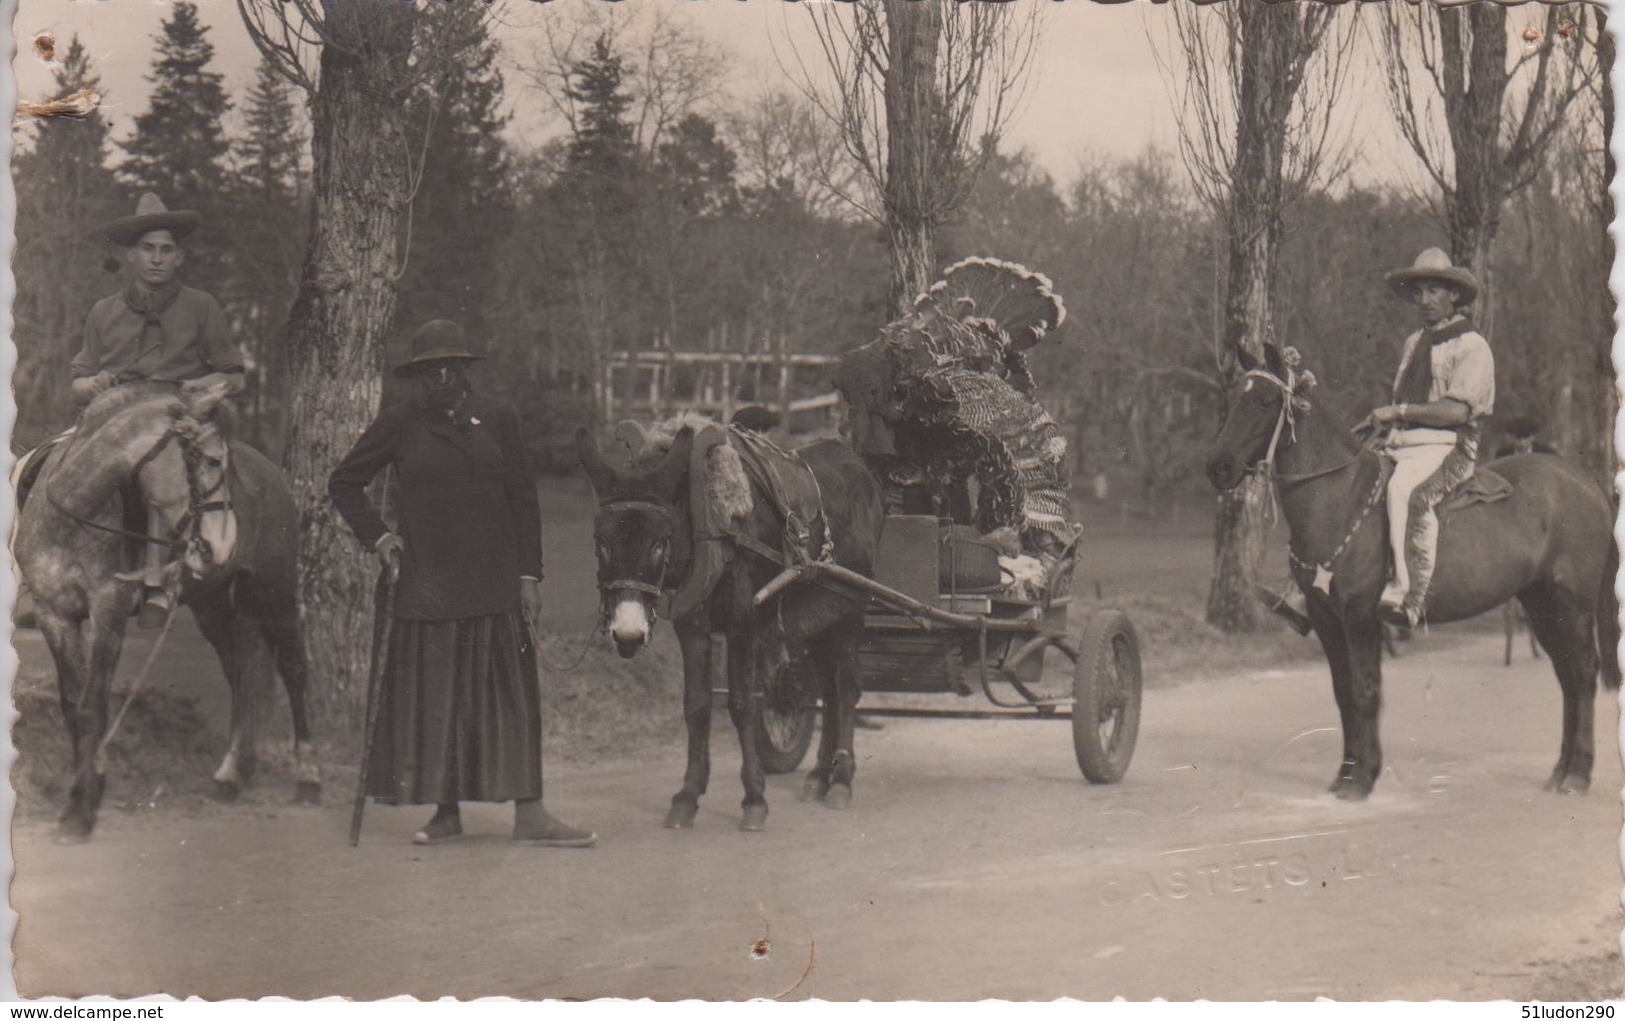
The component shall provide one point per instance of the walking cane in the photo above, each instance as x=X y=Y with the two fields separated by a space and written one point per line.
x=383 y=628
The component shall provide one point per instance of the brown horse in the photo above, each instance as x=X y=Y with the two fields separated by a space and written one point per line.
x=231 y=518
x=650 y=537
x=1549 y=544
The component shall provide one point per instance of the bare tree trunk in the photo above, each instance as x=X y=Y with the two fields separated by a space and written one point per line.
x=913 y=116
x=1475 y=80
x=1254 y=222
x=337 y=328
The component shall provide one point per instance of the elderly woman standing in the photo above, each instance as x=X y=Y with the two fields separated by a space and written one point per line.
x=460 y=714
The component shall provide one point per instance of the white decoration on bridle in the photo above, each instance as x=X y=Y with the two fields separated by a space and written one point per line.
x=1291 y=402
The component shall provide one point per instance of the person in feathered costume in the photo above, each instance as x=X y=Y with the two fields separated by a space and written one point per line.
x=945 y=394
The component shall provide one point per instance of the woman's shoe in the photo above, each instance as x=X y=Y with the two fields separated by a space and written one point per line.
x=445 y=827
x=534 y=827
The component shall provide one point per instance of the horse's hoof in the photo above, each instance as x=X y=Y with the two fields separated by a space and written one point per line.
x=1570 y=785
x=70 y=833
x=755 y=819
x=814 y=789
x=681 y=816
x=840 y=796
x=1350 y=791
x=307 y=793
x=227 y=790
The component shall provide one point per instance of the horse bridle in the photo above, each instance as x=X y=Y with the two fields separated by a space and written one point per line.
x=198 y=501
x=1286 y=422
x=607 y=591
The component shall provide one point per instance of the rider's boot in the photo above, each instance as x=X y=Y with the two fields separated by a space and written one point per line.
x=156 y=599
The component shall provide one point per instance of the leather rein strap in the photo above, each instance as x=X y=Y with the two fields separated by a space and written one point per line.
x=198 y=503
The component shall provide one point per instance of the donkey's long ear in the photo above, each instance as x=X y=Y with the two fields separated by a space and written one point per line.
x=671 y=472
x=599 y=473
x=1273 y=360
x=1244 y=358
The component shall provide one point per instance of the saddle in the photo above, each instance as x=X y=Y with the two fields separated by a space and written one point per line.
x=784 y=478
x=1482 y=486
x=29 y=465
x=779 y=476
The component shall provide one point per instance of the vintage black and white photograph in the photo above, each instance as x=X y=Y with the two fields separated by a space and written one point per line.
x=867 y=500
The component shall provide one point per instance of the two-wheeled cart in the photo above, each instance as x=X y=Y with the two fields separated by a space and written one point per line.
x=926 y=634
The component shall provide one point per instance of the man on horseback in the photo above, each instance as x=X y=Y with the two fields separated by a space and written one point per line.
x=1444 y=387
x=156 y=330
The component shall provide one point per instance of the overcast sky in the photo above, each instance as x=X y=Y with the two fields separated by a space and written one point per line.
x=1095 y=89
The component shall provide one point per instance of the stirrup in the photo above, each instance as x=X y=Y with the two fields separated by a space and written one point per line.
x=1397 y=615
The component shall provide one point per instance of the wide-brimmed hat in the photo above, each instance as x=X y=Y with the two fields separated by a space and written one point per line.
x=151 y=214
x=436 y=341
x=1433 y=264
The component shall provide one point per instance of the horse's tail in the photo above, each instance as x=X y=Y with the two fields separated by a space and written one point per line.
x=1608 y=621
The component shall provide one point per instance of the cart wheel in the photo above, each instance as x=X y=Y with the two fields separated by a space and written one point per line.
x=1106 y=687
x=787 y=725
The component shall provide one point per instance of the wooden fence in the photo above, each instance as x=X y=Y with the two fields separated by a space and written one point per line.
x=659 y=382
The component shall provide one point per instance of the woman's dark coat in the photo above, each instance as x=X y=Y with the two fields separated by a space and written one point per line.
x=466 y=501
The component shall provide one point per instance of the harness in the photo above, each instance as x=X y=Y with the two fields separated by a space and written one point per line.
x=198 y=501
x=1285 y=421
x=764 y=475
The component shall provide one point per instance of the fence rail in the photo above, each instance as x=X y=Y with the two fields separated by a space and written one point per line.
x=657 y=382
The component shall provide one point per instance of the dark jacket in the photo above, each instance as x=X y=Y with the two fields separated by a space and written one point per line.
x=466 y=502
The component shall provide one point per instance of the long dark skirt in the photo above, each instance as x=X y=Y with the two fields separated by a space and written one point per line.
x=460 y=714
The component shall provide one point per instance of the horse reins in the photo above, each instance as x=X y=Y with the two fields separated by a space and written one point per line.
x=198 y=503
x=1290 y=402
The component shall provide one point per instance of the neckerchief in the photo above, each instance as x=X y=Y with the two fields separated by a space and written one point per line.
x=150 y=305
x=1416 y=385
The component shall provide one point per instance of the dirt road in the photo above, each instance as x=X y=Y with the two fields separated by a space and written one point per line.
x=974 y=863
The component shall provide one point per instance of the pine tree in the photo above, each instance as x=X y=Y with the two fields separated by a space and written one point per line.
x=267 y=207
x=598 y=188
x=270 y=153
x=604 y=142
x=179 y=147
x=601 y=164
x=65 y=192
x=691 y=187
x=464 y=207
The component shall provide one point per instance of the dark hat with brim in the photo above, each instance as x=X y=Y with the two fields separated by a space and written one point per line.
x=1434 y=265
x=437 y=340
x=151 y=215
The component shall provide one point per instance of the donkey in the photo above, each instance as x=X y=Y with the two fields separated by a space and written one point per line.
x=1550 y=544
x=230 y=515
x=651 y=536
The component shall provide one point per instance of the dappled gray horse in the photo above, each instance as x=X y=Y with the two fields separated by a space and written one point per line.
x=230 y=517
